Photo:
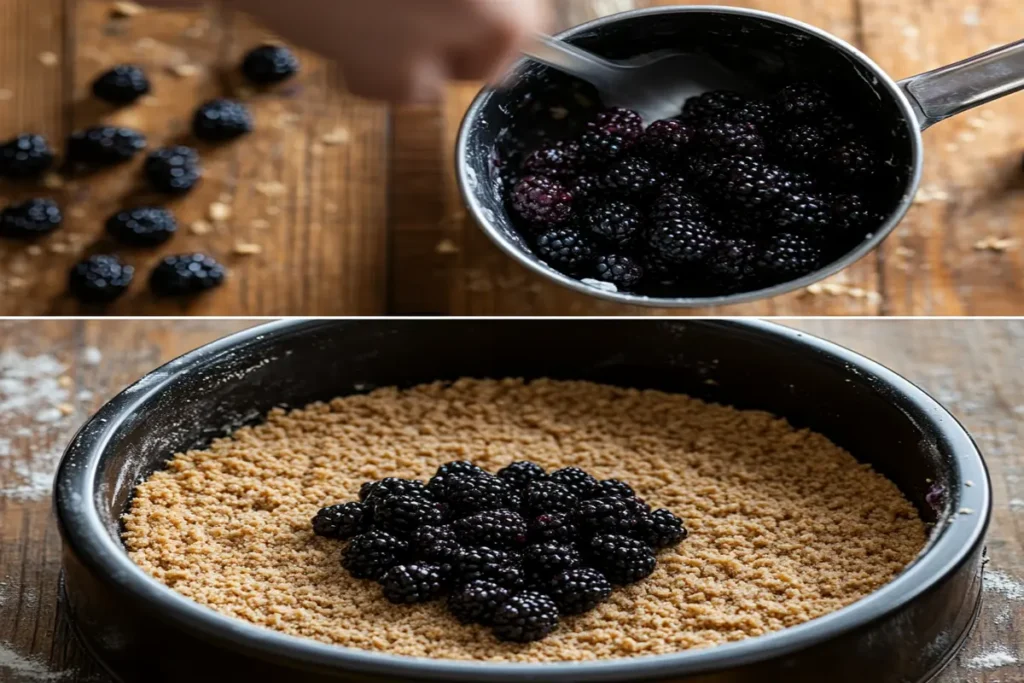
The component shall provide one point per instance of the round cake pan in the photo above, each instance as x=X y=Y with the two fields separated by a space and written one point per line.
x=903 y=633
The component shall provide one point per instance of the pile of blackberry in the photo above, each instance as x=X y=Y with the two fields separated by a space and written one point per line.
x=514 y=551
x=733 y=195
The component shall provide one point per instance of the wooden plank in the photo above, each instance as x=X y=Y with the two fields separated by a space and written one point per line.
x=305 y=187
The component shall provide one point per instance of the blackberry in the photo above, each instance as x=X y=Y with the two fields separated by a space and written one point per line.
x=437 y=544
x=798 y=182
x=733 y=267
x=561 y=160
x=406 y=584
x=542 y=201
x=220 y=120
x=565 y=249
x=622 y=271
x=625 y=120
x=851 y=213
x=402 y=514
x=372 y=554
x=713 y=104
x=801 y=144
x=803 y=101
x=101 y=278
x=606 y=516
x=123 y=84
x=761 y=114
x=365 y=489
x=798 y=212
x=104 y=146
x=853 y=161
x=579 y=590
x=548 y=496
x=495 y=529
x=525 y=617
x=544 y=561
x=610 y=135
x=661 y=271
x=393 y=486
x=614 y=488
x=665 y=142
x=621 y=559
x=553 y=526
x=477 y=601
x=672 y=204
x=174 y=170
x=30 y=219
x=438 y=484
x=613 y=221
x=788 y=256
x=682 y=241
x=578 y=482
x=661 y=529
x=26 y=156
x=183 y=274
x=339 y=521
x=469 y=494
x=143 y=226
x=488 y=564
x=724 y=138
x=521 y=474
x=633 y=178
x=743 y=181
x=269 y=64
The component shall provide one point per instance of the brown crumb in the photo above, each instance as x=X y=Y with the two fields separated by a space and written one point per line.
x=784 y=525
x=65 y=382
x=124 y=10
x=271 y=188
x=247 y=249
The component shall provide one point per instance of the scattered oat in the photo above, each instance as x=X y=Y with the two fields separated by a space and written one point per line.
x=905 y=252
x=971 y=16
x=931 y=193
x=124 y=10
x=145 y=44
x=966 y=136
x=841 y=289
x=184 y=70
x=200 y=227
x=59 y=248
x=219 y=211
x=559 y=113
x=816 y=289
x=247 y=249
x=446 y=246
x=66 y=408
x=993 y=243
x=966 y=511
x=65 y=382
x=977 y=122
x=49 y=58
x=259 y=223
x=34 y=250
x=5 y=94
x=53 y=181
x=968 y=483
x=338 y=136
x=271 y=188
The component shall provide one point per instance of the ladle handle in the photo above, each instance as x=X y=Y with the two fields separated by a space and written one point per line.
x=937 y=95
x=572 y=60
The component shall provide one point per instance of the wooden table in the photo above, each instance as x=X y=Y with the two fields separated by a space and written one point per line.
x=971 y=366
x=354 y=207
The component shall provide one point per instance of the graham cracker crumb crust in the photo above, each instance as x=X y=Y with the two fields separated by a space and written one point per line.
x=784 y=525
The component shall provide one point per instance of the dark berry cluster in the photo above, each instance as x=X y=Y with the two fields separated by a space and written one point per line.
x=514 y=550
x=733 y=195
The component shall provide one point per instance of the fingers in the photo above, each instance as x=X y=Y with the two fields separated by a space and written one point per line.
x=495 y=36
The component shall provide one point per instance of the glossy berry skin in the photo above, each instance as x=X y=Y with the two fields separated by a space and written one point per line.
x=803 y=102
x=186 y=274
x=683 y=241
x=104 y=146
x=787 y=256
x=561 y=160
x=372 y=554
x=549 y=497
x=720 y=137
x=661 y=529
x=579 y=590
x=623 y=560
x=801 y=144
x=853 y=161
x=614 y=222
x=565 y=249
x=123 y=84
x=30 y=219
x=26 y=156
x=100 y=279
x=449 y=472
x=633 y=179
x=542 y=201
x=580 y=483
x=488 y=564
x=624 y=272
x=144 y=226
x=614 y=488
x=413 y=583
x=711 y=105
x=543 y=561
x=173 y=170
x=469 y=494
x=525 y=617
x=403 y=514
x=610 y=135
x=521 y=474
x=221 y=120
x=393 y=486
x=477 y=601
x=853 y=214
x=733 y=266
x=435 y=544
x=501 y=529
x=606 y=516
x=804 y=212
x=665 y=142
x=552 y=526
x=269 y=64
x=743 y=181
x=340 y=521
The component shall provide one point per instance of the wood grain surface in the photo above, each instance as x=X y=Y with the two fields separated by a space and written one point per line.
x=972 y=367
x=353 y=206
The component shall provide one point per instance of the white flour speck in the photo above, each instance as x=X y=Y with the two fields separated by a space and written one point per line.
x=995 y=658
x=971 y=17
x=91 y=356
x=26 y=669
x=1008 y=586
x=1017 y=503
x=84 y=395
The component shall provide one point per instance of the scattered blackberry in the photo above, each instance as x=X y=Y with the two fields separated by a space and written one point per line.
x=183 y=274
x=477 y=601
x=614 y=488
x=788 y=256
x=661 y=529
x=104 y=146
x=174 y=170
x=613 y=221
x=610 y=135
x=733 y=266
x=468 y=494
x=488 y=564
x=565 y=249
x=622 y=271
x=437 y=544
x=721 y=137
x=220 y=120
x=585 y=190
x=393 y=486
x=372 y=554
x=402 y=514
x=521 y=474
x=269 y=64
x=30 y=219
x=26 y=156
x=761 y=114
x=713 y=104
x=548 y=497
x=682 y=241
x=542 y=201
x=553 y=526
x=411 y=583
x=543 y=561
x=525 y=617
x=339 y=521
x=561 y=160
x=665 y=142
x=851 y=213
x=633 y=178
x=144 y=226
x=495 y=529
x=121 y=85
x=853 y=161
x=803 y=101
x=798 y=212
x=100 y=278
x=578 y=482
x=579 y=590
x=621 y=559
x=801 y=144
x=606 y=516
x=743 y=181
